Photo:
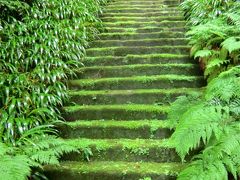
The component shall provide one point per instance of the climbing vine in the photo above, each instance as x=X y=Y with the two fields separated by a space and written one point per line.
x=210 y=120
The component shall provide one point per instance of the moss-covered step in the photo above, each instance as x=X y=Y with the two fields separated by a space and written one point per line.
x=139 y=96
x=112 y=129
x=115 y=112
x=143 y=29
x=140 y=42
x=134 y=24
x=137 y=59
x=95 y=72
x=138 y=82
x=142 y=19
x=141 y=2
x=140 y=8
x=123 y=150
x=109 y=170
x=147 y=14
x=128 y=50
x=136 y=36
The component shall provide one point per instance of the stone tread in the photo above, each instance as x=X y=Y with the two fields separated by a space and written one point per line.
x=104 y=170
x=120 y=99
x=115 y=129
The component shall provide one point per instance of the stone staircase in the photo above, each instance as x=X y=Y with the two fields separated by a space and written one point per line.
x=137 y=67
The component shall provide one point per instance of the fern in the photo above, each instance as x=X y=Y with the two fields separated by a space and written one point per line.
x=199 y=123
x=212 y=124
x=203 y=53
x=178 y=108
x=226 y=86
x=231 y=44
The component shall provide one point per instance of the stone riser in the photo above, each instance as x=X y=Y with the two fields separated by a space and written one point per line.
x=163 y=24
x=96 y=132
x=129 y=50
x=137 y=36
x=128 y=71
x=117 y=61
x=144 y=30
x=146 y=42
x=113 y=113
x=141 y=10
x=126 y=84
x=71 y=175
x=143 y=19
x=148 y=14
x=124 y=97
x=118 y=153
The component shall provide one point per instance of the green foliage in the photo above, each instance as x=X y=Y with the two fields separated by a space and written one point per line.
x=199 y=11
x=41 y=42
x=212 y=124
x=215 y=39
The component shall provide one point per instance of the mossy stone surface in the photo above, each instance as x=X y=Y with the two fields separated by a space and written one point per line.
x=120 y=97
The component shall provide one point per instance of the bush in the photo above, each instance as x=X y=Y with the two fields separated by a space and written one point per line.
x=41 y=42
x=210 y=120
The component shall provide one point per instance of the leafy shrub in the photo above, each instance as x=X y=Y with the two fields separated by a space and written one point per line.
x=211 y=122
x=41 y=42
x=210 y=39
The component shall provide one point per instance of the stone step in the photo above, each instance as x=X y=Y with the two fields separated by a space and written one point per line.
x=115 y=112
x=140 y=42
x=141 y=10
x=137 y=36
x=147 y=14
x=95 y=72
x=144 y=30
x=160 y=6
x=128 y=150
x=136 y=2
x=139 y=96
x=134 y=24
x=109 y=170
x=143 y=19
x=128 y=50
x=112 y=129
x=138 y=82
x=137 y=59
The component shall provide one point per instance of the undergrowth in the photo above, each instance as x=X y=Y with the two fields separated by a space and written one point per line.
x=41 y=42
x=208 y=122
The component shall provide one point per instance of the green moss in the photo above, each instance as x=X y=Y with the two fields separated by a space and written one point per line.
x=137 y=91
x=144 y=79
x=126 y=107
x=157 y=56
x=142 y=23
x=112 y=167
x=155 y=124
x=136 y=66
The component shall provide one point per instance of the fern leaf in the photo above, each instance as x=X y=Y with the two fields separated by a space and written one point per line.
x=14 y=167
x=231 y=44
x=178 y=108
x=225 y=86
x=203 y=53
x=200 y=122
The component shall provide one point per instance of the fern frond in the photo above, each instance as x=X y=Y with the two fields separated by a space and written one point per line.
x=14 y=167
x=203 y=53
x=231 y=44
x=226 y=86
x=177 y=108
x=214 y=67
x=219 y=158
x=199 y=123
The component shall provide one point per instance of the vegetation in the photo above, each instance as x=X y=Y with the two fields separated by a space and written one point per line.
x=41 y=42
x=210 y=120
